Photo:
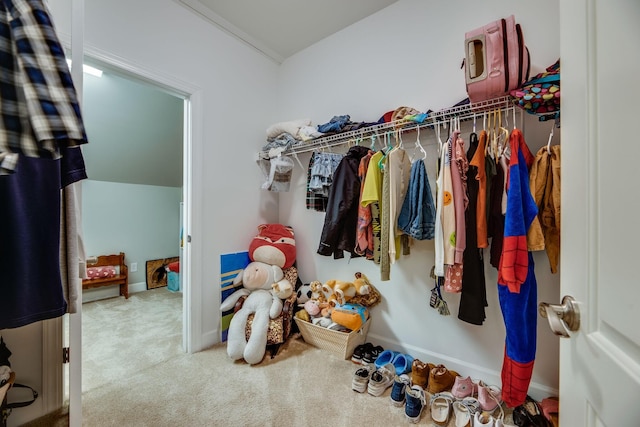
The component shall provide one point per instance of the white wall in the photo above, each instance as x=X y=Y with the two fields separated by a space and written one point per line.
x=410 y=54
x=236 y=88
x=143 y=221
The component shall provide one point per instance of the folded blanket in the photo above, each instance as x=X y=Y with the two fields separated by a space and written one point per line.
x=291 y=127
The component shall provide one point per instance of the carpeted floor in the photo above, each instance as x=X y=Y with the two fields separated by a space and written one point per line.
x=136 y=374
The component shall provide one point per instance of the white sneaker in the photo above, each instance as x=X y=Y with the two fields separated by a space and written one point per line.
x=381 y=379
x=361 y=378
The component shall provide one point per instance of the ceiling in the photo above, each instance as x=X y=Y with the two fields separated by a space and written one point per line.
x=280 y=28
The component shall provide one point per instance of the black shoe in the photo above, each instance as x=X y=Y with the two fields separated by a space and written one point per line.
x=529 y=414
x=372 y=354
x=358 y=353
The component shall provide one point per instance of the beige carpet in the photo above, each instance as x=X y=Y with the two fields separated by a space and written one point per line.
x=136 y=375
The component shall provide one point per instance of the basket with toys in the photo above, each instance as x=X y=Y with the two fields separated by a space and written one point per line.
x=335 y=315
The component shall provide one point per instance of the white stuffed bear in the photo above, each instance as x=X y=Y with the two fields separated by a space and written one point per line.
x=258 y=280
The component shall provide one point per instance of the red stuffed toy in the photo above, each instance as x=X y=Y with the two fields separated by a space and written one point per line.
x=274 y=245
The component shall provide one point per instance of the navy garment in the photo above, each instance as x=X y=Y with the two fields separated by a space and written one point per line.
x=417 y=217
x=30 y=283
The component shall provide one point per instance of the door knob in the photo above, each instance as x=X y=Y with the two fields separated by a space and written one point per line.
x=563 y=318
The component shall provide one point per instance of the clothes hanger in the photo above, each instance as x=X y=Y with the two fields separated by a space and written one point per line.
x=419 y=146
x=550 y=138
x=440 y=143
x=390 y=147
x=398 y=136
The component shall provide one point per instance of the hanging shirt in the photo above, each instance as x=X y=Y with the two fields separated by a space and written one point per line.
x=399 y=168
x=448 y=209
x=438 y=238
x=474 y=291
x=544 y=182
x=478 y=161
x=372 y=197
x=459 y=167
x=39 y=107
x=31 y=285
x=364 y=230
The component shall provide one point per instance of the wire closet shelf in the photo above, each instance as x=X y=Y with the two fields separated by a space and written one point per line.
x=460 y=112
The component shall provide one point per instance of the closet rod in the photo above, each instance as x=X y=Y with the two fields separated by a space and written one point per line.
x=463 y=112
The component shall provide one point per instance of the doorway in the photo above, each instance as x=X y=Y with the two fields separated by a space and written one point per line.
x=174 y=180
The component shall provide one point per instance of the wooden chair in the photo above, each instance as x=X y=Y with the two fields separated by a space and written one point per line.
x=121 y=279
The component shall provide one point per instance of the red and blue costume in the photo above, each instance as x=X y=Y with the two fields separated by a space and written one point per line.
x=517 y=288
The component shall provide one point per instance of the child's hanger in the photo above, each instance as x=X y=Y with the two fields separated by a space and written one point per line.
x=419 y=145
x=503 y=135
x=550 y=138
x=387 y=138
x=440 y=143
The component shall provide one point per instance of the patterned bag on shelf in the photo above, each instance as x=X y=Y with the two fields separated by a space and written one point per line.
x=541 y=94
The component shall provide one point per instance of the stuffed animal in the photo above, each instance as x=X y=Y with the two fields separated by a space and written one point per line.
x=304 y=293
x=316 y=292
x=268 y=279
x=362 y=284
x=275 y=245
x=257 y=280
x=338 y=292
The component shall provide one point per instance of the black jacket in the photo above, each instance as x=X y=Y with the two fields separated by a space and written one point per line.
x=341 y=219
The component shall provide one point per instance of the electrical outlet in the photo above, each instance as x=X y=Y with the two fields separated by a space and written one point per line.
x=134 y=267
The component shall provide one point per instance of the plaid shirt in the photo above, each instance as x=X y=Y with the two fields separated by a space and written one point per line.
x=38 y=102
x=316 y=201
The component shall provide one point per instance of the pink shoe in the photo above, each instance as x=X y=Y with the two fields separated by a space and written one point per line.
x=490 y=397
x=463 y=387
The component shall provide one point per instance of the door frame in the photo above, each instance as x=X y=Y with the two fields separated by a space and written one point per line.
x=191 y=225
x=192 y=171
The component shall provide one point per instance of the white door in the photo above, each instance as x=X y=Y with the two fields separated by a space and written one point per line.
x=600 y=68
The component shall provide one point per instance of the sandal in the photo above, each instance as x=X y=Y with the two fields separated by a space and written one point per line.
x=464 y=411
x=441 y=408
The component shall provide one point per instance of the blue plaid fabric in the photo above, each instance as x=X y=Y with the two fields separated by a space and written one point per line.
x=39 y=108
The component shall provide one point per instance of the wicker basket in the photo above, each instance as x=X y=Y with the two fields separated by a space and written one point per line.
x=339 y=343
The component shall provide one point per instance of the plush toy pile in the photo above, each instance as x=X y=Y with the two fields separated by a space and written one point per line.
x=268 y=279
x=337 y=304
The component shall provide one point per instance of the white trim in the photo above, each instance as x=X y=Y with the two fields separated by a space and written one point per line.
x=75 y=320
x=52 y=393
x=206 y=13
x=192 y=170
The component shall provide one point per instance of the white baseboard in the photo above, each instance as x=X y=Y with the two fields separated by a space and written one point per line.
x=89 y=295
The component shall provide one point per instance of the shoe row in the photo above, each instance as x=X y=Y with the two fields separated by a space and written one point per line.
x=413 y=382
